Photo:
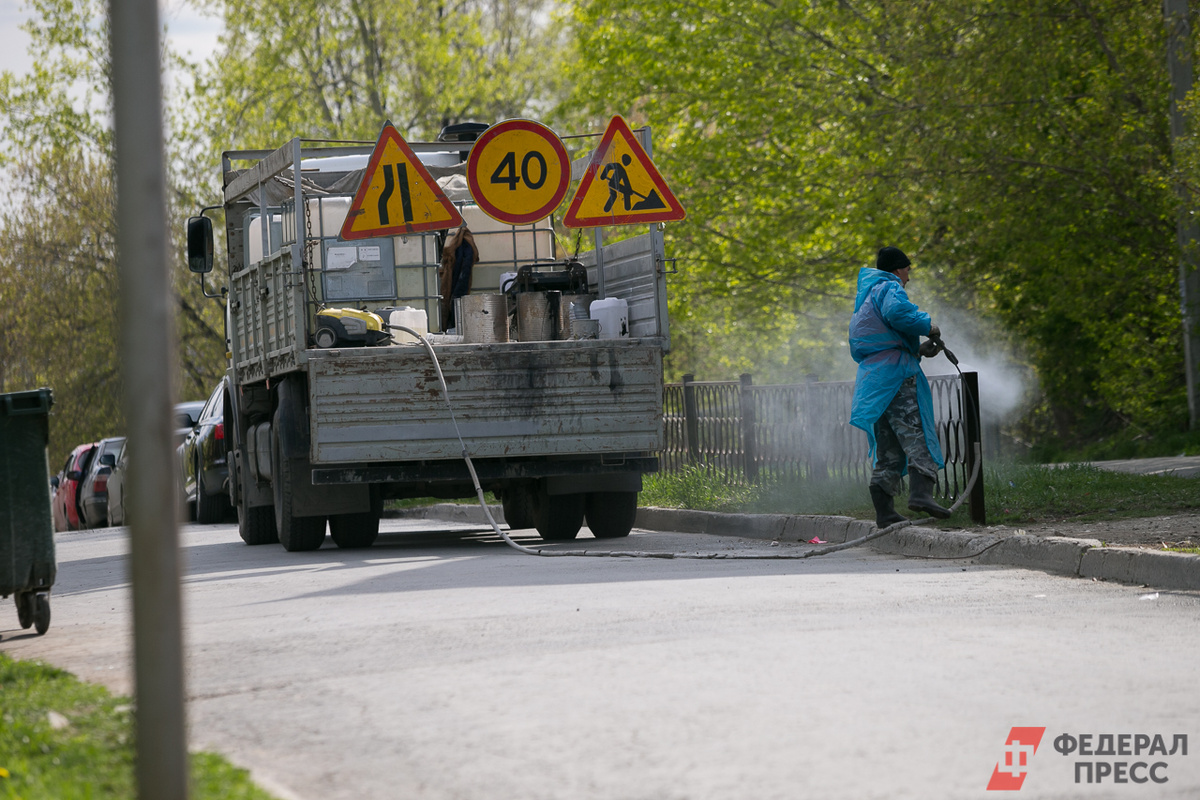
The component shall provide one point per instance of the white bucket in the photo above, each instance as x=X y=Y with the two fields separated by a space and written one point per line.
x=409 y=317
x=613 y=315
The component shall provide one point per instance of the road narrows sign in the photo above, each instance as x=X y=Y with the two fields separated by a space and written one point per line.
x=397 y=195
x=621 y=185
x=518 y=171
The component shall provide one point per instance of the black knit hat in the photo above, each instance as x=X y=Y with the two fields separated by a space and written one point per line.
x=891 y=259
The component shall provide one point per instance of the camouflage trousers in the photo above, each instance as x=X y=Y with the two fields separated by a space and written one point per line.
x=899 y=437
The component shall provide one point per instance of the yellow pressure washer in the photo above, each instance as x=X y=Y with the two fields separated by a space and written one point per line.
x=349 y=327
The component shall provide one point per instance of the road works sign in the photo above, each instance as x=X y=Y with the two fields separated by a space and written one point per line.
x=518 y=171
x=621 y=185
x=397 y=195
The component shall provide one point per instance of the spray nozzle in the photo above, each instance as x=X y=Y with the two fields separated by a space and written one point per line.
x=941 y=348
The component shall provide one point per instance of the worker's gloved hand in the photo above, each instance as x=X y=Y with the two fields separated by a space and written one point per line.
x=930 y=348
x=934 y=331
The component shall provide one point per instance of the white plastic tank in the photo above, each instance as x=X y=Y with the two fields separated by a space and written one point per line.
x=613 y=315
x=409 y=317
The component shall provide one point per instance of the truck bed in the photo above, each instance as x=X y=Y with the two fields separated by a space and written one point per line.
x=517 y=399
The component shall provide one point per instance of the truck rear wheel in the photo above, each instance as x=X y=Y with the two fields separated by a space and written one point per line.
x=518 y=509
x=357 y=530
x=256 y=524
x=295 y=533
x=610 y=515
x=558 y=517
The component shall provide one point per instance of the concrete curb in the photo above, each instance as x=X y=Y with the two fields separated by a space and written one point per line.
x=1082 y=558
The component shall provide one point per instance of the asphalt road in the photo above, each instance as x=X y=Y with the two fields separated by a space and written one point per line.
x=445 y=665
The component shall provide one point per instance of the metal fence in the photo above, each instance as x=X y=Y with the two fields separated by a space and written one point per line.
x=746 y=433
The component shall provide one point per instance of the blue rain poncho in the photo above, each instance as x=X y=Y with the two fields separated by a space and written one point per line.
x=885 y=335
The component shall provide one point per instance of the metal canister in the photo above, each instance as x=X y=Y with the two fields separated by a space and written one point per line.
x=484 y=318
x=534 y=322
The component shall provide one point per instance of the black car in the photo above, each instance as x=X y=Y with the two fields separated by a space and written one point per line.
x=202 y=462
x=187 y=414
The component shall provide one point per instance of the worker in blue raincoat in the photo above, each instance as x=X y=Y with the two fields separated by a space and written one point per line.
x=892 y=401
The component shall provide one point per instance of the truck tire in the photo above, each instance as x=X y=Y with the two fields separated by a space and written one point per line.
x=350 y=531
x=558 y=517
x=610 y=515
x=518 y=509
x=210 y=509
x=256 y=524
x=296 y=534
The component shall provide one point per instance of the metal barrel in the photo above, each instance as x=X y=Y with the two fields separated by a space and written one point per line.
x=484 y=318
x=534 y=322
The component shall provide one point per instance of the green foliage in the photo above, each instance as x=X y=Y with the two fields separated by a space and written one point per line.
x=62 y=105
x=90 y=753
x=59 y=278
x=339 y=70
x=1018 y=151
x=59 y=296
x=1119 y=444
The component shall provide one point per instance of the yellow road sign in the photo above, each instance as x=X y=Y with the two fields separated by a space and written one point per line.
x=621 y=185
x=397 y=195
x=518 y=171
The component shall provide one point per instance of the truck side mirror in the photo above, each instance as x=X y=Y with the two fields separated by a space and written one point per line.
x=200 y=245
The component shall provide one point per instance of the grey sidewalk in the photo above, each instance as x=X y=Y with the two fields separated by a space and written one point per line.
x=1178 y=466
x=1083 y=558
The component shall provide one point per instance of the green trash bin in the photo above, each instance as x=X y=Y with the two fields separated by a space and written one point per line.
x=27 y=566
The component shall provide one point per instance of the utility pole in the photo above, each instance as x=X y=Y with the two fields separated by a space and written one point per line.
x=147 y=346
x=1179 y=66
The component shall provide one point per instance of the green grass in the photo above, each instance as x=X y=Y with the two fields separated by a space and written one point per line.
x=1127 y=442
x=1083 y=493
x=1013 y=493
x=92 y=755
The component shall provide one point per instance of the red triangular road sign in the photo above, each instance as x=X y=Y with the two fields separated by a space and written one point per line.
x=621 y=185
x=397 y=195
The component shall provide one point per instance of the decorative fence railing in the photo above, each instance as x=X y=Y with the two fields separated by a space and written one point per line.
x=744 y=432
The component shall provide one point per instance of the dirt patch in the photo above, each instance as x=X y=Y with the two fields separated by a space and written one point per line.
x=1178 y=530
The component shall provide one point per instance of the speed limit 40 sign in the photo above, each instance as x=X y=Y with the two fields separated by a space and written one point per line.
x=518 y=171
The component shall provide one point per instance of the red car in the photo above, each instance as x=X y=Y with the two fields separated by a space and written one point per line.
x=66 y=487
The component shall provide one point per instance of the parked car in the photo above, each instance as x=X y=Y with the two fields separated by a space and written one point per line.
x=93 y=491
x=186 y=416
x=116 y=488
x=65 y=504
x=202 y=462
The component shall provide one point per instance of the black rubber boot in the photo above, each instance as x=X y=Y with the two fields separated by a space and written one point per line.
x=885 y=512
x=920 y=496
